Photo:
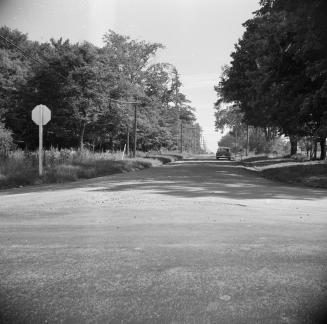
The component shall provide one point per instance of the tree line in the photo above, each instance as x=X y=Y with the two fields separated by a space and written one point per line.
x=91 y=93
x=277 y=79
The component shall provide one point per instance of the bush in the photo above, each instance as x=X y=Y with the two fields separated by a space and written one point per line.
x=279 y=146
x=298 y=157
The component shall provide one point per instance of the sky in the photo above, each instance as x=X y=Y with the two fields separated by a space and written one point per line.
x=198 y=35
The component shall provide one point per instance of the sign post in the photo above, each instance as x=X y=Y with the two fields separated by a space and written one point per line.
x=41 y=115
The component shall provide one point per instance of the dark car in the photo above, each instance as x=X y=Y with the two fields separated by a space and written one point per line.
x=223 y=152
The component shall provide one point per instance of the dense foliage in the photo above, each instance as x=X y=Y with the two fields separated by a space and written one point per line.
x=80 y=83
x=278 y=74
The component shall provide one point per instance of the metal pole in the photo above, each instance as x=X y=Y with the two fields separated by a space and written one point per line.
x=41 y=143
x=135 y=131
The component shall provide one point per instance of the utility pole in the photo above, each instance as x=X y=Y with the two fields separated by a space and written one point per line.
x=127 y=141
x=194 y=139
x=235 y=141
x=181 y=150
x=247 y=140
x=135 y=130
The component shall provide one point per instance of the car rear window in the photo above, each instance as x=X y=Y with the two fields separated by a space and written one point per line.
x=223 y=150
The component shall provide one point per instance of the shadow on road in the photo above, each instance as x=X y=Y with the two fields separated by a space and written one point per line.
x=203 y=178
x=190 y=179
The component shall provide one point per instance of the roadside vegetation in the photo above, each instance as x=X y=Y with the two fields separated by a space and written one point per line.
x=92 y=93
x=20 y=168
x=297 y=169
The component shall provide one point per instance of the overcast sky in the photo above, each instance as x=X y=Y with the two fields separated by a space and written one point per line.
x=199 y=35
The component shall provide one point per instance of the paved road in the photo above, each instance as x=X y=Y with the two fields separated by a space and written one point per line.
x=197 y=241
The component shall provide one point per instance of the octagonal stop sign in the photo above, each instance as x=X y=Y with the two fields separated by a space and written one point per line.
x=41 y=115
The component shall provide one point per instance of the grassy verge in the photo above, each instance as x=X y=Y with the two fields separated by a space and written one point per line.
x=21 y=168
x=165 y=158
x=308 y=173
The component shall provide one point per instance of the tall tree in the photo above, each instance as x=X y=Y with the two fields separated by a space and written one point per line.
x=81 y=84
x=273 y=76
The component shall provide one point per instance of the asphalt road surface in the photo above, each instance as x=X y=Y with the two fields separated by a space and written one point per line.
x=196 y=241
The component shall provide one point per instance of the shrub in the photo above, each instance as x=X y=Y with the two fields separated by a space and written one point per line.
x=279 y=146
x=298 y=157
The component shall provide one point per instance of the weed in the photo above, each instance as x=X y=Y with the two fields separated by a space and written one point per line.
x=20 y=168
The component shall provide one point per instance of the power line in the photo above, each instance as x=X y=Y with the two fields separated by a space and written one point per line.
x=21 y=50
x=59 y=74
x=29 y=56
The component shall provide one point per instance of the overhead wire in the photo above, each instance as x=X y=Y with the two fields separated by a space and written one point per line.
x=20 y=49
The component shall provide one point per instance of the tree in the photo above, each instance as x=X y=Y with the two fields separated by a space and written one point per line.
x=65 y=82
x=81 y=84
x=273 y=75
x=14 y=67
x=82 y=90
x=227 y=140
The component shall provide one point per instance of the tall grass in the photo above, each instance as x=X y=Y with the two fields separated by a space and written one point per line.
x=20 y=168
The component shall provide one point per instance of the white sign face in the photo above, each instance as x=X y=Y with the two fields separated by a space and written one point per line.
x=41 y=115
